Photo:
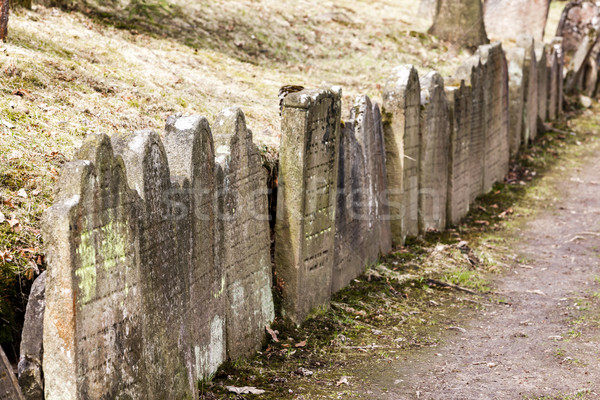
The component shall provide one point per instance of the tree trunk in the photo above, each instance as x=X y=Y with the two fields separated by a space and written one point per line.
x=460 y=22
x=3 y=19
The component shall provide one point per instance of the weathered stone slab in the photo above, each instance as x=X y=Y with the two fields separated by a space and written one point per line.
x=362 y=222
x=190 y=153
x=93 y=318
x=542 y=85
x=557 y=44
x=244 y=239
x=507 y=19
x=9 y=386
x=31 y=352
x=552 y=82
x=472 y=73
x=433 y=165
x=401 y=129
x=305 y=228
x=496 y=102
x=352 y=219
x=530 y=81
x=451 y=19
x=516 y=85
x=459 y=107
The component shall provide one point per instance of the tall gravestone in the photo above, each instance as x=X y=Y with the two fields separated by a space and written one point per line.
x=401 y=129
x=190 y=151
x=530 y=81
x=552 y=83
x=245 y=243
x=433 y=160
x=305 y=226
x=460 y=104
x=542 y=85
x=362 y=223
x=93 y=318
x=165 y=287
x=516 y=84
x=495 y=94
x=9 y=386
x=557 y=44
x=31 y=351
x=459 y=22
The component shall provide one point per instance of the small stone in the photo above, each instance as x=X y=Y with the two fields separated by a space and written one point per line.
x=585 y=101
x=22 y=193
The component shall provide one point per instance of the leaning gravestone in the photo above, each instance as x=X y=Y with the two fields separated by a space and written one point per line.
x=190 y=152
x=507 y=19
x=472 y=73
x=93 y=319
x=460 y=104
x=31 y=354
x=352 y=219
x=401 y=129
x=542 y=86
x=305 y=226
x=245 y=243
x=516 y=85
x=495 y=93
x=433 y=165
x=9 y=386
x=530 y=82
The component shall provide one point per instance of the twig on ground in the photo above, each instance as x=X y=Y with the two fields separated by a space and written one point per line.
x=450 y=285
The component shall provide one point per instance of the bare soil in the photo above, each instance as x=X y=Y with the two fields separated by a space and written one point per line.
x=542 y=339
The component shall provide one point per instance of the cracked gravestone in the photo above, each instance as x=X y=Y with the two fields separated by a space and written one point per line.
x=507 y=19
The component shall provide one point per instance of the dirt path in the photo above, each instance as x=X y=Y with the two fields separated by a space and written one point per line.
x=542 y=340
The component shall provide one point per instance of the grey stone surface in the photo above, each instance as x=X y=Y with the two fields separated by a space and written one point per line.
x=9 y=386
x=433 y=160
x=401 y=129
x=530 y=81
x=244 y=235
x=552 y=82
x=516 y=84
x=472 y=73
x=190 y=152
x=362 y=223
x=495 y=94
x=93 y=318
x=542 y=85
x=459 y=106
x=507 y=19
x=557 y=44
x=451 y=18
x=305 y=226
x=31 y=352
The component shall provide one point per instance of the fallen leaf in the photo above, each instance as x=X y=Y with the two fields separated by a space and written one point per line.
x=482 y=222
x=301 y=344
x=8 y=203
x=36 y=192
x=14 y=224
x=244 y=390
x=272 y=333
x=22 y=193
x=2 y=218
x=304 y=372
x=343 y=381
x=7 y=124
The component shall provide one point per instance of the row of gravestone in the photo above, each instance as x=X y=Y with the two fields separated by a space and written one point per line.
x=159 y=262
x=349 y=191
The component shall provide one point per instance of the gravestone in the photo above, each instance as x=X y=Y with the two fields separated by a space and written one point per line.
x=305 y=226
x=516 y=84
x=93 y=318
x=530 y=81
x=507 y=19
x=9 y=386
x=552 y=82
x=433 y=165
x=472 y=73
x=495 y=94
x=352 y=217
x=362 y=223
x=401 y=129
x=451 y=19
x=165 y=287
x=542 y=86
x=190 y=152
x=557 y=43
x=459 y=107
x=244 y=240
x=31 y=352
